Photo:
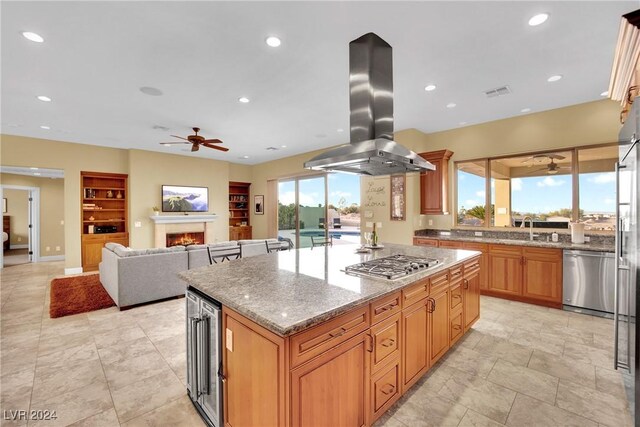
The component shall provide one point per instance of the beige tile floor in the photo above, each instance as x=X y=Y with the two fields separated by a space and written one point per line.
x=521 y=365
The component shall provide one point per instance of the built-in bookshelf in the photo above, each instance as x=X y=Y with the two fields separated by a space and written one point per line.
x=104 y=214
x=239 y=214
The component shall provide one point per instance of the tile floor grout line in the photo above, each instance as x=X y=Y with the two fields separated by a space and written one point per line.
x=35 y=365
x=463 y=415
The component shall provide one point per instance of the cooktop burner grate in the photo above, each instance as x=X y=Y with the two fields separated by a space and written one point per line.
x=392 y=267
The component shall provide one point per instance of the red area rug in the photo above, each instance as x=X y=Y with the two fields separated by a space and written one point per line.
x=78 y=294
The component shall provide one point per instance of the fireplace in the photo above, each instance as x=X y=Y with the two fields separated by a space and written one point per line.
x=185 y=239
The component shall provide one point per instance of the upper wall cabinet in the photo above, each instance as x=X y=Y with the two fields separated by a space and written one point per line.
x=624 y=85
x=434 y=184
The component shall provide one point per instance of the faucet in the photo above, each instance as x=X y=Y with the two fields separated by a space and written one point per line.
x=524 y=219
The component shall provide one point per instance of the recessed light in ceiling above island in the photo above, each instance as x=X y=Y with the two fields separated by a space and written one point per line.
x=273 y=41
x=451 y=105
x=430 y=88
x=243 y=99
x=538 y=19
x=43 y=98
x=554 y=78
x=36 y=38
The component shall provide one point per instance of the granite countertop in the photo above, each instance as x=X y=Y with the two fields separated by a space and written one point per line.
x=289 y=291
x=597 y=247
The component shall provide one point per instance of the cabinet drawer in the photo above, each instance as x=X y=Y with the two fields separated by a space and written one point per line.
x=310 y=343
x=425 y=242
x=384 y=307
x=439 y=281
x=386 y=345
x=472 y=266
x=506 y=250
x=457 y=327
x=455 y=274
x=385 y=389
x=450 y=244
x=456 y=296
x=415 y=293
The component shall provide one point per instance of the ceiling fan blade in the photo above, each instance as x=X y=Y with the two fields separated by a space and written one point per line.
x=556 y=156
x=195 y=147
x=216 y=147
x=537 y=171
x=213 y=141
x=179 y=137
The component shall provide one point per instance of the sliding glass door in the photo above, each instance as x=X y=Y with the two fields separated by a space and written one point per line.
x=302 y=209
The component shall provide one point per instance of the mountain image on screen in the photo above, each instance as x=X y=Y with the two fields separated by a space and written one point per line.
x=184 y=199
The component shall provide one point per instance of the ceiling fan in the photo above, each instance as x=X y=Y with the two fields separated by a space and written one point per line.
x=551 y=168
x=541 y=157
x=196 y=141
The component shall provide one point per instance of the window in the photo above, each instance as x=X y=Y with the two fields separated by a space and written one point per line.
x=471 y=180
x=548 y=187
x=537 y=186
x=597 y=184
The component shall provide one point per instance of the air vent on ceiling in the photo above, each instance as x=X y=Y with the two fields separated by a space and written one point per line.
x=271 y=148
x=499 y=91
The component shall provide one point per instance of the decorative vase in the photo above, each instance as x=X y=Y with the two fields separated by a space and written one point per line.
x=119 y=195
x=156 y=213
x=109 y=194
x=374 y=236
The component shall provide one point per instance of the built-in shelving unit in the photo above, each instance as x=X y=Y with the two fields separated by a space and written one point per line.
x=104 y=212
x=239 y=214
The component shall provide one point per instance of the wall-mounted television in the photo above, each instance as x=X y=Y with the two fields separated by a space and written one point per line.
x=177 y=198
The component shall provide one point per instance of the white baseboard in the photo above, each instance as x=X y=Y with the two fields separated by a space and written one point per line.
x=74 y=270
x=19 y=246
x=51 y=258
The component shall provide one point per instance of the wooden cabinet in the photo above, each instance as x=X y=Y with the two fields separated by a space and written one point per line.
x=505 y=269
x=434 y=185
x=348 y=370
x=240 y=233
x=239 y=211
x=255 y=370
x=415 y=342
x=542 y=275
x=484 y=261
x=331 y=390
x=6 y=227
x=471 y=292
x=438 y=325
x=103 y=204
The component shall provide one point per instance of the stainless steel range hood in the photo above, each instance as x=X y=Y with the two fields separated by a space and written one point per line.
x=372 y=150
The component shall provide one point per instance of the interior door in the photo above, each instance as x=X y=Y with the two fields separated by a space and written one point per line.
x=31 y=229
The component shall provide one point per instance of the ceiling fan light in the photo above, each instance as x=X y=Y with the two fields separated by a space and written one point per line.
x=552 y=171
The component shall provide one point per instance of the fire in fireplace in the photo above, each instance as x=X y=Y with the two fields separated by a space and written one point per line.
x=185 y=239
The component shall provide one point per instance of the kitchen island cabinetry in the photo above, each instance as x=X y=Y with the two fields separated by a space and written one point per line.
x=348 y=367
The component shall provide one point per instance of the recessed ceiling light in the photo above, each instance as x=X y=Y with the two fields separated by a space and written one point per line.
x=339 y=130
x=463 y=123
x=273 y=41
x=554 y=78
x=44 y=98
x=451 y=105
x=151 y=91
x=538 y=19
x=45 y=127
x=244 y=157
x=605 y=93
x=37 y=173
x=34 y=169
x=429 y=88
x=33 y=37
x=243 y=99
x=283 y=146
x=167 y=145
x=525 y=110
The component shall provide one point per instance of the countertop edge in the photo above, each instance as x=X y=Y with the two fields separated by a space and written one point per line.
x=318 y=319
x=534 y=244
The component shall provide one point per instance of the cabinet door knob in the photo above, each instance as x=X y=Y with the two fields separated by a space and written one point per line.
x=388 y=389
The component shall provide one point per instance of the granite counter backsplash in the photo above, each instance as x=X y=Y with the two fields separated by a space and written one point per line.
x=598 y=242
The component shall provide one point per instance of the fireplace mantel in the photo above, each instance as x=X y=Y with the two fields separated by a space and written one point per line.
x=164 y=224
x=178 y=219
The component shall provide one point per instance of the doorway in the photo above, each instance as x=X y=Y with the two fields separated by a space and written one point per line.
x=20 y=224
x=302 y=209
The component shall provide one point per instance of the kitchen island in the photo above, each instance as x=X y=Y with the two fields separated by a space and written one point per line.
x=307 y=344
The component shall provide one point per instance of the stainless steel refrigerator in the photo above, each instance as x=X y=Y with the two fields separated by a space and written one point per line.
x=204 y=359
x=627 y=266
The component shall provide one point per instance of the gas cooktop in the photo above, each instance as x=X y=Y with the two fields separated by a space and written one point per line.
x=392 y=267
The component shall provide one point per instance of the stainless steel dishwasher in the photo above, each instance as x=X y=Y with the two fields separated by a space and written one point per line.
x=589 y=282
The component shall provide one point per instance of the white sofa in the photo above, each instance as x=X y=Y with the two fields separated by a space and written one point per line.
x=137 y=276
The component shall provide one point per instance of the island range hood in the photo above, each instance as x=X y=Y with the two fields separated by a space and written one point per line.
x=372 y=150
